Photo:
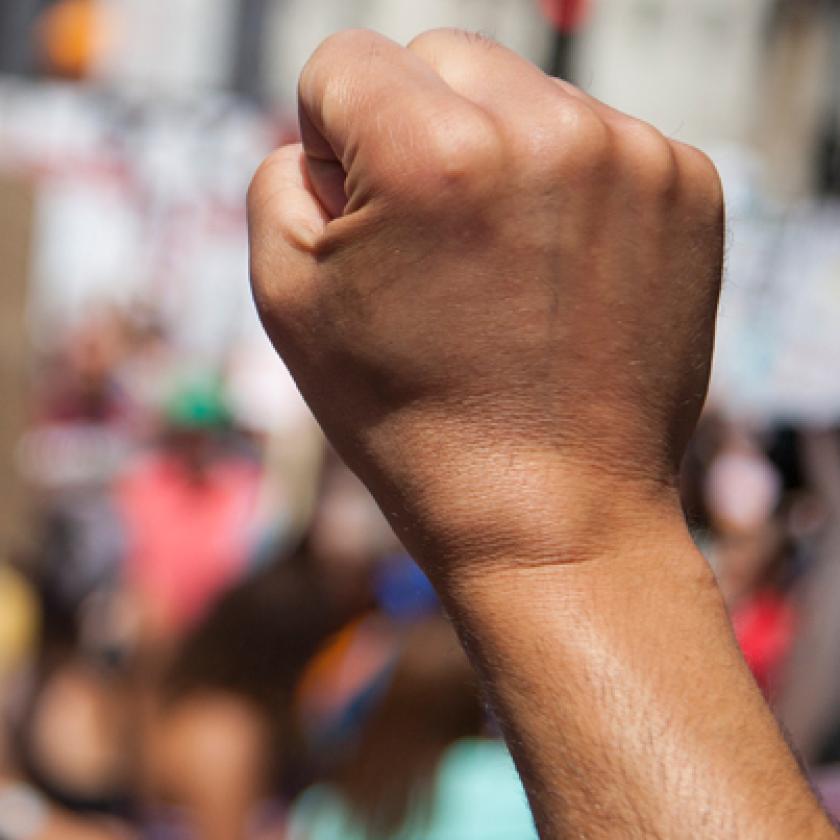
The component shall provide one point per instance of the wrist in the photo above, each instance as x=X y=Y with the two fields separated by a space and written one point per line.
x=617 y=554
x=611 y=574
x=463 y=516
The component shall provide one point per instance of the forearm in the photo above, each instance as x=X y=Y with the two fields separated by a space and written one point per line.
x=623 y=696
x=521 y=274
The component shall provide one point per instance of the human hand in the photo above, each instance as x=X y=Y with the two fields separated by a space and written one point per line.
x=498 y=296
x=489 y=287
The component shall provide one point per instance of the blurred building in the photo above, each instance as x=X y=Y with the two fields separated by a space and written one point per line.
x=688 y=66
x=759 y=74
x=141 y=173
x=258 y=47
x=295 y=27
x=16 y=19
x=800 y=98
x=754 y=73
x=171 y=48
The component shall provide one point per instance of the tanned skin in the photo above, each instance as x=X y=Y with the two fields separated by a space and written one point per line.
x=498 y=296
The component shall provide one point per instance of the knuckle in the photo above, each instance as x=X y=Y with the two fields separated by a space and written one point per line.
x=582 y=143
x=443 y=38
x=432 y=40
x=463 y=145
x=648 y=157
x=700 y=177
x=325 y=68
x=460 y=154
x=452 y=53
x=347 y=41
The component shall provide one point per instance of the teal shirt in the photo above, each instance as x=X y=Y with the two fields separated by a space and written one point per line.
x=477 y=796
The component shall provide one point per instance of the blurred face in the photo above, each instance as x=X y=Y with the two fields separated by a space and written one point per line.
x=742 y=488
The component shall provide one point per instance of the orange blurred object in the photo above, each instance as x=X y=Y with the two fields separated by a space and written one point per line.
x=72 y=34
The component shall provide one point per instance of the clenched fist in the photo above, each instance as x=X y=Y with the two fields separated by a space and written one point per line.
x=491 y=288
x=498 y=296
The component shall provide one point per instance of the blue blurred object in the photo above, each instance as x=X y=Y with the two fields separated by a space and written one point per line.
x=404 y=593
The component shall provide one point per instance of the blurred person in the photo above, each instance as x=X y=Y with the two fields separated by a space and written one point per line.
x=422 y=765
x=227 y=690
x=743 y=489
x=80 y=433
x=72 y=738
x=148 y=369
x=340 y=682
x=19 y=623
x=811 y=698
x=187 y=508
x=66 y=710
x=63 y=773
x=268 y=408
x=209 y=762
x=26 y=815
x=218 y=748
x=527 y=455
x=754 y=577
x=78 y=382
x=751 y=552
x=229 y=685
x=19 y=627
x=69 y=717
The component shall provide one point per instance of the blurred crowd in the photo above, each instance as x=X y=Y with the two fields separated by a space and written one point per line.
x=216 y=635
x=212 y=632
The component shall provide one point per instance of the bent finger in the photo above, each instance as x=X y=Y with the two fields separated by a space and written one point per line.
x=364 y=105
x=285 y=223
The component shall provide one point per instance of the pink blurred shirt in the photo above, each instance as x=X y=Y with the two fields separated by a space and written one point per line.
x=186 y=541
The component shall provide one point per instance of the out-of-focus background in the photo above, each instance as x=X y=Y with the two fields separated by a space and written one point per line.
x=206 y=628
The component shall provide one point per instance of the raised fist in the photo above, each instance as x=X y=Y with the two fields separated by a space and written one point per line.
x=491 y=288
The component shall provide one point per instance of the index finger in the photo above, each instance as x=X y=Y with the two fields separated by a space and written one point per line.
x=372 y=108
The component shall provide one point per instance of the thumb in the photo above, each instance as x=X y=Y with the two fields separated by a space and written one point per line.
x=286 y=221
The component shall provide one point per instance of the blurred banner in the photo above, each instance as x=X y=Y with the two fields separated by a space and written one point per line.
x=138 y=201
x=778 y=339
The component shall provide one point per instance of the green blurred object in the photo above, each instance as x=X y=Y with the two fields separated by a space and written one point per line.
x=198 y=404
x=477 y=795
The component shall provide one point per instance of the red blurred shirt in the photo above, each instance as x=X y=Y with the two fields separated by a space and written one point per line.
x=764 y=626
x=187 y=541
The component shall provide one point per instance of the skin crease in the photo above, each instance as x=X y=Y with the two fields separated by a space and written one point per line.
x=498 y=297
